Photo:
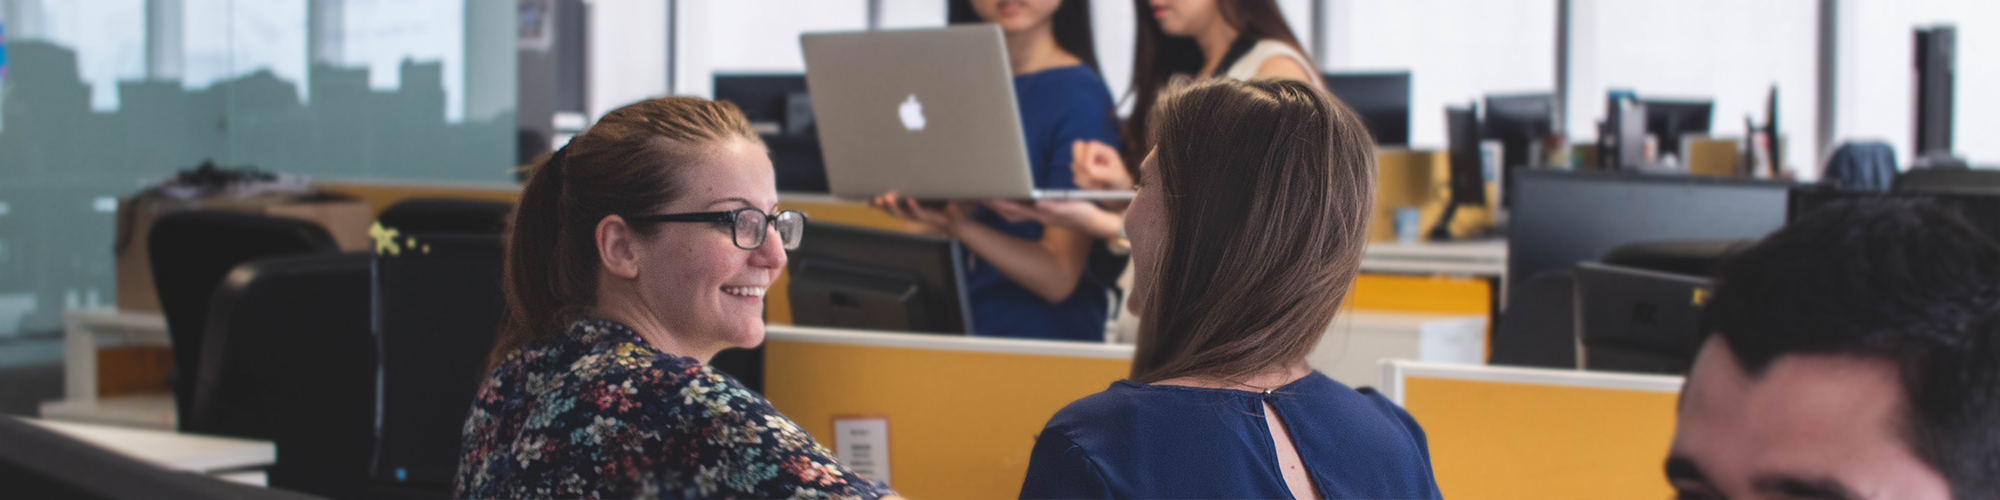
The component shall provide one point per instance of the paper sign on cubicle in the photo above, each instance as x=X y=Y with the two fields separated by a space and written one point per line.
x=862 y=443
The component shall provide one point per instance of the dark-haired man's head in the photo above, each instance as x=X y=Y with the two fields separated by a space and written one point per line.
x=1850 y=355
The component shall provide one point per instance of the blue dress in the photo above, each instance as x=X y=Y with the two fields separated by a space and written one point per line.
x=1058 y=107
x=1160 y=441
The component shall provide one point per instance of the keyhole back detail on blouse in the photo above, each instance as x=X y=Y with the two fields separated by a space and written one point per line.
x=1291 y=468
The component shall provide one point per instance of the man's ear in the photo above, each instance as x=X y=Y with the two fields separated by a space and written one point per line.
x=617 y=247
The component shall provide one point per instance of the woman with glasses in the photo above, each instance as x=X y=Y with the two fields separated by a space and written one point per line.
x=637 y=253
x=1247 y=234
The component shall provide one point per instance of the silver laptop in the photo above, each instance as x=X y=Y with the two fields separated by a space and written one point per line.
x=927 y=113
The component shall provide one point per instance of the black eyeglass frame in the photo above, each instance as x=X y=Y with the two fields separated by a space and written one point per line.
x=730 y=218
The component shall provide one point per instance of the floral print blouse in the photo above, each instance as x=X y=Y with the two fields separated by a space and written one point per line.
x=598 y=413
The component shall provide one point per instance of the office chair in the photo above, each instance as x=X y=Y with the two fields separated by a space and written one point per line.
x=1948 y=181
x=1539 y=327
x=288 y=357
x=191 y=252
x=1861 y=166
x=447 y=215
x=438 y=306
x=39 y=463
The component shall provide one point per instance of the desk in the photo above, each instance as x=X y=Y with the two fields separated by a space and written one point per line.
x=239 y=460
x=86 y=331
x=1480 y=258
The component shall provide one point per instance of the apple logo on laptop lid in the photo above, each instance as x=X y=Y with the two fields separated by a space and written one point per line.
x=912 y=113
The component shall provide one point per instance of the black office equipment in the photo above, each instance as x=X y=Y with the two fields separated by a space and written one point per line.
x=1539 y=327
x=1668 y=120
x=1621 y=137
x=289 y=357
x=1561 y=218
x=779 y=107
x=1936 y=68
x=447 y=215
x=853 y=277
x=438 y=306
x=1468 y=180
x=191 y=252
x=1381 y=98
x=1636 y=320
x=1948 y=180
x=1519 y=122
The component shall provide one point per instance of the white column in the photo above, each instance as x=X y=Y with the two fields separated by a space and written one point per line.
x=164 y=40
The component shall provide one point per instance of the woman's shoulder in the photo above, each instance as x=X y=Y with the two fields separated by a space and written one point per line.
x=1074 y=82
x=1247 y=67
x=602 y=350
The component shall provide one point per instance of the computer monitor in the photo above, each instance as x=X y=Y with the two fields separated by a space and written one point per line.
x=1561 y=218
x=1381 y=98
x=854 y=277
x=1519 y=122
x=1467 y=180
x=780 y=109
x=1668 y=120
x=1635 y=320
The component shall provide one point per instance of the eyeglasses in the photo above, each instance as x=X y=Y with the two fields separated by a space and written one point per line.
x=748 y=225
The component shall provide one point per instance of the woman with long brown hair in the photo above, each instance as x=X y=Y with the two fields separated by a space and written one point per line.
x=1246 y=235
x=637 y=253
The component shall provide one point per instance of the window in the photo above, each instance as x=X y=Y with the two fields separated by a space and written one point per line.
x=1457 y=51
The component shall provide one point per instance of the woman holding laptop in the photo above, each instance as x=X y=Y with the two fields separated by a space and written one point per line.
x=1239 y=39
x=1025 y=279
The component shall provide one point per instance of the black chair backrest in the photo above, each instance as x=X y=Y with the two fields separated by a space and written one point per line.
x=192 y=251
x=446 y=215
x=438 y=306
x=289 y=357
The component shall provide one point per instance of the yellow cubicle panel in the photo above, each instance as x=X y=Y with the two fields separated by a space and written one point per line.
x=1503 y=433
x=963 y=412
x=1422 y=294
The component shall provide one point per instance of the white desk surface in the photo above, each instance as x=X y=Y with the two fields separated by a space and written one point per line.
x=171 y=450
x=1477 y=258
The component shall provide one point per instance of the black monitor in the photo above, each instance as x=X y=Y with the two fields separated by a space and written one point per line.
x=1381 y=98
x=780 y=109
x=1668 y=120
x=1519 y=122
x=1636 y=320
x=1561 y=218
x=1468 y=180
x=854 y=277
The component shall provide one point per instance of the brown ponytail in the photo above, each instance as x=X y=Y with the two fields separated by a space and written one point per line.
x=629 y=162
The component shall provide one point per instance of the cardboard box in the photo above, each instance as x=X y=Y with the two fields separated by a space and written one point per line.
x=346 y=218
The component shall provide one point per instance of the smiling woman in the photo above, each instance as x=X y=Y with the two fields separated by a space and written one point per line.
x=599 y=384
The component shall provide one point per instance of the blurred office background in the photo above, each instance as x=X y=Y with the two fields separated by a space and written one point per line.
x=100 y=97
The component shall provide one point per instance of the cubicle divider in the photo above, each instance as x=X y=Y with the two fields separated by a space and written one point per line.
x=962 y=412
x=1527 y=433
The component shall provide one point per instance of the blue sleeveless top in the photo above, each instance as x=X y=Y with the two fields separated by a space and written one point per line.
x=1161 y=441
x=1058 y=107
